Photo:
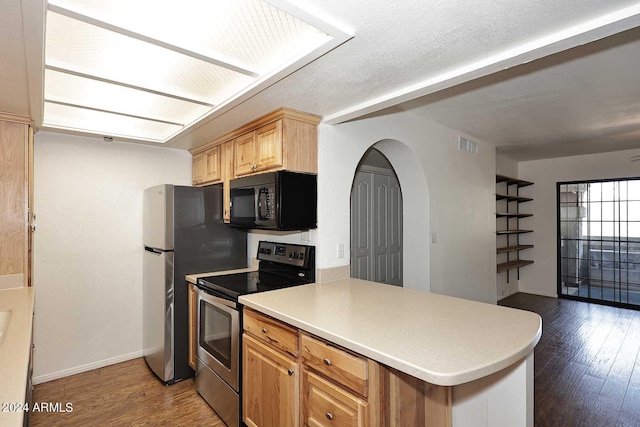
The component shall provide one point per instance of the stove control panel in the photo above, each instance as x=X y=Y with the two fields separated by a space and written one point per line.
x=285 y=253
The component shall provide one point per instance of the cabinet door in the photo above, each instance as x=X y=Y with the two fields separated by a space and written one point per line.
x=198 y=163
x=226 y=161
x=270 y=383
x=212 y=165
x=326 y=404
x=245 y=154
x=14 y=189
x=192 y=327
x=269 y=146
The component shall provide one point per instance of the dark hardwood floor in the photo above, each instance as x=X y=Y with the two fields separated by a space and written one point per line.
x=587 y=364
x=126 y=394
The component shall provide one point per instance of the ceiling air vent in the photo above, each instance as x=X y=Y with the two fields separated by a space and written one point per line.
x=465 y=144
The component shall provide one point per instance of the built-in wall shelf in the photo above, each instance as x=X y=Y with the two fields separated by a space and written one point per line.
x=512 y=181
x=506 y=249
x=513 y=231
x=512 y=215
x=511 y=198
x=512 y=265
x=508 y=231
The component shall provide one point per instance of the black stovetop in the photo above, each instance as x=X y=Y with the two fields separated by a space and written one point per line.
x=281 y=265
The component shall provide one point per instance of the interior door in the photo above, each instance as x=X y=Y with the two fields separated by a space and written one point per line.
x=361 y=213
x=376 y=228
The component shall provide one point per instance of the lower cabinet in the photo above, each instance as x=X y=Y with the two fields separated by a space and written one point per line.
x=270 y=386
x=291 y=378
x=327 y=404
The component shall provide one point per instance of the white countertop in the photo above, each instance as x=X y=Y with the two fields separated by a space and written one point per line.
x=15 y=350
x=193 y=278
x=439 y=339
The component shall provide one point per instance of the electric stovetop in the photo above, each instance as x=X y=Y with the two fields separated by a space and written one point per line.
x=281 y=265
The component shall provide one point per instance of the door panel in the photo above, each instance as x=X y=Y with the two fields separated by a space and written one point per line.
x=376 y=228
x=361 y=227
x=157 y=313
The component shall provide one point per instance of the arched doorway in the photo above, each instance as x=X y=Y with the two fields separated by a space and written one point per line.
x=376 y=221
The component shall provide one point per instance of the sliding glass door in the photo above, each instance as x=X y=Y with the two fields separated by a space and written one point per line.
x=599 y=241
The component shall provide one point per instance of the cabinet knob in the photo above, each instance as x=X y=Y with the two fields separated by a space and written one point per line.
x=327 y=362
x=264 y=330
x=329 y=415
x=290 y=371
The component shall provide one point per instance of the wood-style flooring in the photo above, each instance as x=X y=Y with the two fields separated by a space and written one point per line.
x=587 y=373
x=126 y=394
x=587 y=364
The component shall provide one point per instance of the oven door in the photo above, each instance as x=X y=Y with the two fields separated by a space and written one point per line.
x=218 y=336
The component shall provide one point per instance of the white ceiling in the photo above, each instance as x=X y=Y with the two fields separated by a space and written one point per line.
x=540 y=79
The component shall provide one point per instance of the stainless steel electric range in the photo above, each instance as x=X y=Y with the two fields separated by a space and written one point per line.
x=219 y=330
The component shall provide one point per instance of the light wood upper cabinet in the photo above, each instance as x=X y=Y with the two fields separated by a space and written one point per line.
x=197 y=168
x=260 y=150
x=227 y=157
x=207 y=167
x=213 y=170
x=245 y=146
x=282 y=139
x=16 y=205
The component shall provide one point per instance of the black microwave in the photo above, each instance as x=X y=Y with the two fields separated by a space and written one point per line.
x=281 y=200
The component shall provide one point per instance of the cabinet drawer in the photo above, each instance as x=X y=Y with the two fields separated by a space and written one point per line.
x=342 y=367
x=325 y=404
x=271 y=331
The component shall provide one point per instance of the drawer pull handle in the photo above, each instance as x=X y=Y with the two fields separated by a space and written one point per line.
x=290 y=371
x=327 y=362
x=329 y=415
x=264 y=330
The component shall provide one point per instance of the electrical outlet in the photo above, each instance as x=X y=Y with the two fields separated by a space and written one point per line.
x=340 y=250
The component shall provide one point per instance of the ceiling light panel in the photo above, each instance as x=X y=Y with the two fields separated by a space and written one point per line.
x=80 y=91
x=83 y=120
x=249 y=33
x=165 y=66
x=87 y=49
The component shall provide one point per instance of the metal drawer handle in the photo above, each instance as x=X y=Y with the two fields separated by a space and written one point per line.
x=264 y=330
x=290 y=371
x=329 y=415
x=327 y=362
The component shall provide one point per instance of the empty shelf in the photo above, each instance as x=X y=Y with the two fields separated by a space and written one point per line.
x=512 y=181
x=512 y=215
x=512 y=265
x=506 y=249
x=513 y=231
x=511 y=198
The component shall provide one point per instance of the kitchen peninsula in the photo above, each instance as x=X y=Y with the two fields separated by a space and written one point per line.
x=480 y=356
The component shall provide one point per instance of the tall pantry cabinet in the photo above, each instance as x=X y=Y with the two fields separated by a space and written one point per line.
x=16 y=201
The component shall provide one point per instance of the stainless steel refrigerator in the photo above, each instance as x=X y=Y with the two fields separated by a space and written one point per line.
x=183 y=234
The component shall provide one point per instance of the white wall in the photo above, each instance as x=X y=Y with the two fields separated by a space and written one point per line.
x=88 y=248
x=446 y=191
x=541 y=277
x=506 y=166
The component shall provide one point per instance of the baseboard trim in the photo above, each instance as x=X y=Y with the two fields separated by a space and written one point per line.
x=84 y=368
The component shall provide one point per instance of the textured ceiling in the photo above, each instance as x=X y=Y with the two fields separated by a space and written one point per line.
x=564 y=99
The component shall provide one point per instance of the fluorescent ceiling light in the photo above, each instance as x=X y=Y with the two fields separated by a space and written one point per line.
x=153 y=69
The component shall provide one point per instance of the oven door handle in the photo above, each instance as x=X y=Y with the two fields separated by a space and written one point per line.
x=217 y=300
